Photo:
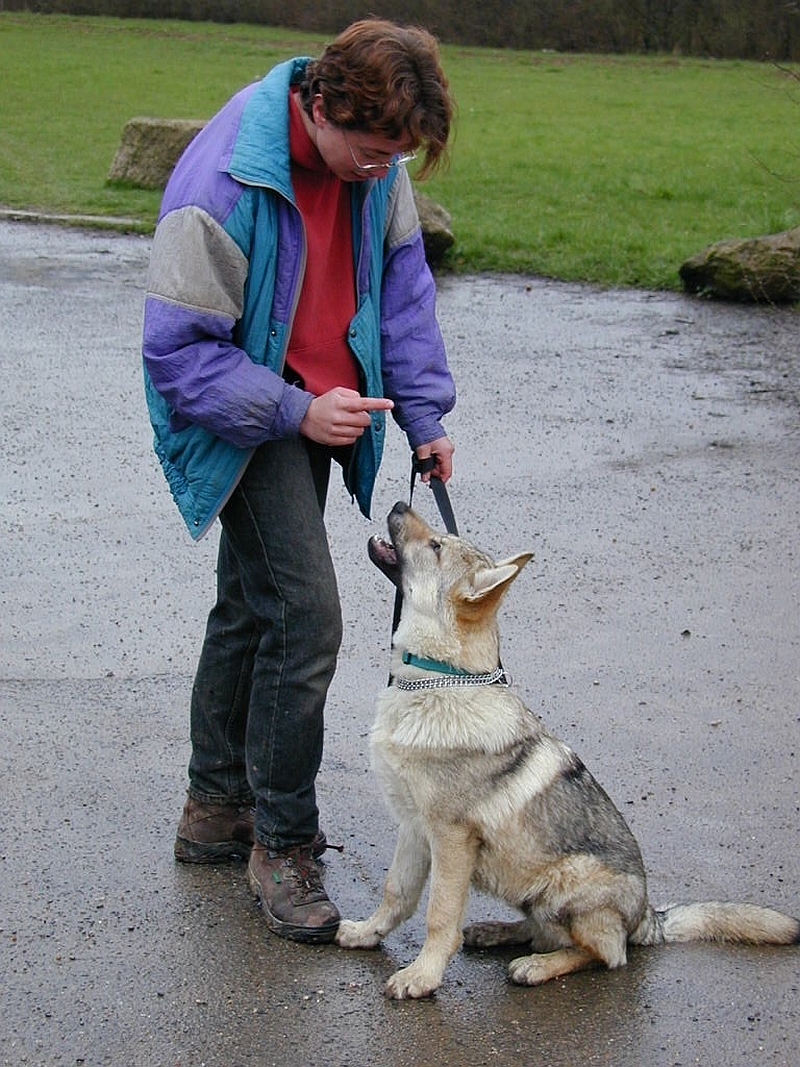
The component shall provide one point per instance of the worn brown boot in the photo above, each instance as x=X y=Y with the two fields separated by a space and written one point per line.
x=214 y=833
x=289 y=886
x=218 y=833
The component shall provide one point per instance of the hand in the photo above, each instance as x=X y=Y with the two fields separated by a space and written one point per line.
x=340 y=416
x=442 y=451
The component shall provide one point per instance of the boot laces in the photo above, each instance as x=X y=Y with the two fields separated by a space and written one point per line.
x=305 y=871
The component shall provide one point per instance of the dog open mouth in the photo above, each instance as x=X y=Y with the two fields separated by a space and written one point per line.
x=383 y=555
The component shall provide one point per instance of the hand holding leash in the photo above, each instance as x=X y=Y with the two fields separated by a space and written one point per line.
x=437 y=457
x=426 y=469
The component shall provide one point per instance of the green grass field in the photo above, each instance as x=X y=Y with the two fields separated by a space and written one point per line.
x=585 y=168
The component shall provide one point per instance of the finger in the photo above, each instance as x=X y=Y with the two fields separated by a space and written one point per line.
x=354 y=423
x=343 y=435
x=373 y=403
x=444 y=468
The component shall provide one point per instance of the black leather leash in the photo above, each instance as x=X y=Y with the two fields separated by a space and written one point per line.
x=423 y=466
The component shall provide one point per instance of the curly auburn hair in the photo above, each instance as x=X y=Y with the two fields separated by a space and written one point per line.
x=385 y=79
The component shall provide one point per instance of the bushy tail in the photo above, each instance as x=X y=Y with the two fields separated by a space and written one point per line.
x=714 y=920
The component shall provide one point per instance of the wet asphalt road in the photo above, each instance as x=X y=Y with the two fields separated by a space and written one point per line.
x=645 y=446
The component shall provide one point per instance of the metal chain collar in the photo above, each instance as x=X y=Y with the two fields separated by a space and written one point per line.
x=496 y=677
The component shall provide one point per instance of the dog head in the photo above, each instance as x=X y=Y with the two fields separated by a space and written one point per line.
x=451 y=591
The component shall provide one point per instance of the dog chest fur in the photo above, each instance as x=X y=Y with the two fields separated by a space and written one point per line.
x=484 y=760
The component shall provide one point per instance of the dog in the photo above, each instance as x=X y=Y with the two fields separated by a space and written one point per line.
x=486 y=796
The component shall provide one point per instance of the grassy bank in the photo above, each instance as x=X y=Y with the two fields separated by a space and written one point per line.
x=602 y=169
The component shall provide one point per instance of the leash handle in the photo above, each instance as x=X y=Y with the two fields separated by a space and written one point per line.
x=423 y=466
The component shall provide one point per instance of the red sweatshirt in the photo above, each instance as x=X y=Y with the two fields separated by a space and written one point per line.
x=318 y=351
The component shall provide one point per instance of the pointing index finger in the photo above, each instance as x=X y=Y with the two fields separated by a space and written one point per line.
x=374 y=403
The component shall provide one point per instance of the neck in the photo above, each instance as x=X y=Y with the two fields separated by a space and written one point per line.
x=309 y=124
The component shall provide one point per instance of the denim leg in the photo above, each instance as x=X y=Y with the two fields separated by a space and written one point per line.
x=274 y=643
x=221 y=692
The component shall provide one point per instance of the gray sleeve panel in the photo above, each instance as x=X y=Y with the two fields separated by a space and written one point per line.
x=196 y=264
x=402 y=220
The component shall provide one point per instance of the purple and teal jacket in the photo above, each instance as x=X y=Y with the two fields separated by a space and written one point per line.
x=225 y=273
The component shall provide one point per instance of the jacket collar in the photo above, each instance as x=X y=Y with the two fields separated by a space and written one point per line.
x=260 y=154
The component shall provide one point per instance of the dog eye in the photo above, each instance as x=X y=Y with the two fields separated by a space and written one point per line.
x=436 y=546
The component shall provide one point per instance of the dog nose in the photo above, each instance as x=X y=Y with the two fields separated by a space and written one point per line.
x=400 y=508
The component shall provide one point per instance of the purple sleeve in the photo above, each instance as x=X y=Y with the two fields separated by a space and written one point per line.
x=206 y=379
x=195 y=289
x=415 y=371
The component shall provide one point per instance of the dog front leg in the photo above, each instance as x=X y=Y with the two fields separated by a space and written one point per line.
x=401 y=893
x=452 y=862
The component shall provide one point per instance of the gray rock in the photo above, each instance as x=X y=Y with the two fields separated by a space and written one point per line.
x=149 y=150
x=757 y=270
x=437 y=233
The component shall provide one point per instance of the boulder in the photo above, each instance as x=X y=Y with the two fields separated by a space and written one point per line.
x=437 y=233
x=755 y=270
x=150 y=148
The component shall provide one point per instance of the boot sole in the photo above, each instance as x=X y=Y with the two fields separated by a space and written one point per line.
x=216 y=852
x=316 y=935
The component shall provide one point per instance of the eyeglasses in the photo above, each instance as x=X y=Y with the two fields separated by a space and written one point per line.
x=396 y=161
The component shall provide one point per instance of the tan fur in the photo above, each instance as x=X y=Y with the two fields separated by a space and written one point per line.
x=485 y=796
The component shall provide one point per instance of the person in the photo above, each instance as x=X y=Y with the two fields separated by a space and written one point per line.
x=289 y=309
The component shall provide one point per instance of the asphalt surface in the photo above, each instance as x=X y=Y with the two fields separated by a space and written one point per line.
x=645 y=446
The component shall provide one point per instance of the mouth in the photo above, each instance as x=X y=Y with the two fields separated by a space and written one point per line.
x=383 y=555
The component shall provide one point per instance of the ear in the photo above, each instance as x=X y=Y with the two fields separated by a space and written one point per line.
x=497 y=578
x=318 y=116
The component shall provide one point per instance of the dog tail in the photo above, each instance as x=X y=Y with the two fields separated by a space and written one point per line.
x=746 y=924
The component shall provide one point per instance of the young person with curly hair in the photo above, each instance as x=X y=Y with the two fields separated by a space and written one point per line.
x=289 y=310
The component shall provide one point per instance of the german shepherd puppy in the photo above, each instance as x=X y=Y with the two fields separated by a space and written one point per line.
x=486 y=796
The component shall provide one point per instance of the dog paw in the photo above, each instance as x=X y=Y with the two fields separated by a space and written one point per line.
x=530 y=970
x=356 y=935
x=411 y=983
x=542 y=967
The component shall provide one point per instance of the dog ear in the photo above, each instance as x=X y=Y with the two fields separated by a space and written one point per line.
x=517 y=561
x=496 y=579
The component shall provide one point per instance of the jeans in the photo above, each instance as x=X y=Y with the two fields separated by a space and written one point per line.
x=270 y=647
